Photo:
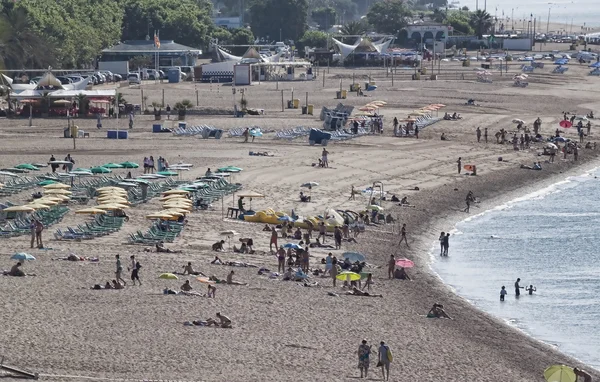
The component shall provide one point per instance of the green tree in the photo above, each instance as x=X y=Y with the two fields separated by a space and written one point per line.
x=460 y=22
x=354 y=28
x=223 y=35
x=274 y=18
x=389 y=16
x=324 y=16
x=314 y=39
x=481 y=22
x=345 y=9
x=186 y=21
x=241 y=36
x=21 y=46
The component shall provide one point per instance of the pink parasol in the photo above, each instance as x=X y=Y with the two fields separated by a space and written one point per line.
x=566 y=124
x=404 y=263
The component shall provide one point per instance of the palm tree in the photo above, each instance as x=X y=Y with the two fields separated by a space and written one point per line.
x=354 y=28
x=20 y=45
x=482 y=22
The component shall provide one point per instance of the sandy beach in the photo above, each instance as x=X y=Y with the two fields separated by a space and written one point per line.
x=53 y=324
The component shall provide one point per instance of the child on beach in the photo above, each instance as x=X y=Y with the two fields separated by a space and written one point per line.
x=502 y=293
x=531 y=289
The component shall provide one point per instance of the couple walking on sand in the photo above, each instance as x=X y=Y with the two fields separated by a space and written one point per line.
x=444 y=243
x=384 y=359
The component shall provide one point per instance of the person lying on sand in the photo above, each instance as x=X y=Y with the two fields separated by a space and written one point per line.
x=318 y=244
x=218 y=246
x=217 y=261
x=437 y=311
x=100 y=287
x=357 y=292
x=160 y=248
x=188 y=269
x=117 y=285
x=230 y=279
x=74 y=257
x=266 y=228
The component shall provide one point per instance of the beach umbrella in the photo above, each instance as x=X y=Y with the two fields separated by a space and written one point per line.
x=46 y=182
x=8 y=173
x=112 y=165
x=550 y=146
x=168 y=276
x=39 y=165
x=22 y=256
x=309 y=184
x=27 y=166
x=172 y=212
x=62 y=102
x=174 y=192
x=151 y=176
x=179 y=210
x=173 y=197
x=353 y=256
x=405 y=263
x=127 y=184
x=110 y=188
x=375 y=208
x=517 y=121
x=56 y=186
x=57 y=192
x=15 y=170
x=286 y=219
x=129 y=165
x=90 y=211
x=564 y=123
x=367 y=108
x=100 y=170
x=157 y=215
x=47 y=201
x=112 y=199
x=82 y=170
x=138 y=181
x=37 y=206
x=19 y=209
x=229 y=169
x=560 y=373
x=112 y=206
x=292 y=246
x=59 y=162
x=581 y=118
x=80 y=173
x=167 y=173
x=348 y=276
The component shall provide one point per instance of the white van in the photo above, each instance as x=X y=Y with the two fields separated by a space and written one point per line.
x=133 y=78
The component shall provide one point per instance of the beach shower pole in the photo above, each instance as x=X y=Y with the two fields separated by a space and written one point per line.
x=282 y=108
x=323 y=78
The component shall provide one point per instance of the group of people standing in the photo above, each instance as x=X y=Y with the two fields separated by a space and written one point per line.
x=150 y=165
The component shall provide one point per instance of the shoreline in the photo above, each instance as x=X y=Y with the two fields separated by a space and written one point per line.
x=548 y=184
x=519 y=185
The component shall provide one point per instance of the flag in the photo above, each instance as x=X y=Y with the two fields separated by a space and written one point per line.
x=156 y=41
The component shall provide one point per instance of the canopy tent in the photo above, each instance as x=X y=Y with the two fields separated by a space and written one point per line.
x=251 y=56
x=363 y=45
x=345 y=49
x=64 y=93
x=227 y=56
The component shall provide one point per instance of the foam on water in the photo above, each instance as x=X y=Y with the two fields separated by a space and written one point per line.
x=548 y=238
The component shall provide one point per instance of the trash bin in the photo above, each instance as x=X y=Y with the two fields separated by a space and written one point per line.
x=310 y=109
x=466 y=63
x=67 y=132
x=74 y=131
x=433 y=77
x=416 y=76
x=304 y=109
x=338 y=94
x=296 y=103
x=290 y=104
x=344 y=94
x=423 y=70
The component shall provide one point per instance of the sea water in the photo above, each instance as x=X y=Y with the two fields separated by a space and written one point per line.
x=549 y=239
x=579 y=12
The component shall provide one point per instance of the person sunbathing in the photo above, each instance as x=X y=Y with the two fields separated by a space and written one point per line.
x=217 y=261
x=357 y=292
x=266 y=228
x=116 y=285
x=437 y=311
x=242 y=249
x=186 y=287
x=216 y=279
x=188 y=269
x=319 y=245
x=230 y=279
x=160 y=248
x=304 y=198
x=218 y=246
x=224 y=321
x=288 y=275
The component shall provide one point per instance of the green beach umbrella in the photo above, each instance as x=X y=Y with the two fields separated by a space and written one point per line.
x=46 y=182
x=229 y=169
x=27 y=166
x=112 y=165
x=560 y=373
x=100 y=170
x=167 y=173
x=130 y=165
x=82 y=169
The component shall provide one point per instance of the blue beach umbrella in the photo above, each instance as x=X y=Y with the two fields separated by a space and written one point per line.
x=22 y=256
x=353 y=256
x=292 y=246
x=285 y=219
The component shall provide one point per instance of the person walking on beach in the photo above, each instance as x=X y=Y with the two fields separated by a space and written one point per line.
x=364 y=352
x=403 y=235
x=478 y=132
x=575 y=152
x=337 y=235
x=119 y=271
x=441 y=239
x=391 y=266
x=468 y=200
x=322 y=230
x=130 y=124
x=459 y=163
x=39 y=228
x=517 y=288
x=273 y=239
x=385 y=358
x=324 y=158
x=485 y=134
x=168 y=111
x=502 y=293
x=446 y=243
x=334 y=270
x=135 y=270
x=352 y=193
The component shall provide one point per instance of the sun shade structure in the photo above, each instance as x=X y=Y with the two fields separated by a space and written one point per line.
x=90 y=211
x=19 y=209
x=175 y=192
x=57 y=192
x=129 y=165
x=57 y=186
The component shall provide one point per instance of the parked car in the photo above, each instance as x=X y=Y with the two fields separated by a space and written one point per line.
x=75 y=78
x=64 y=80
x=133 y=78
x=117 y=78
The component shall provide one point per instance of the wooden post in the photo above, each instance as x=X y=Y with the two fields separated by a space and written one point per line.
x=352 y=79
x=306 y=100
x=197 y=98
x=163 y=98
x=323 y=78
x=282 y=108
x=392 y=77
x=277 y=85
x=142 y=96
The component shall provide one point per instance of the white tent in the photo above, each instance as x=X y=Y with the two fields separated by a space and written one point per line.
x=345 y=49
x=65 y=93
x=227 y=56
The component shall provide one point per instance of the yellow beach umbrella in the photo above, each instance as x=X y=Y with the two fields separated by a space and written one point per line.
x=560 y=373
x=111 y=206
x=57 y=186
x=19 y=209
x=61 y=198
x=183 y=211
x=173 y=196
x=112 y=199
x=109 y=188
x=170 y=207
x=178 y=202
x=45 y=202
x=176 y=192
x=37 y=206
x=90 y=211
x=171 y=212
x=348 y=276
x=114 y=192
x=159 y=216
x=57 y=192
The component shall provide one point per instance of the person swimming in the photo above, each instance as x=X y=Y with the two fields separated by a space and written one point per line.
x=531 y=289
